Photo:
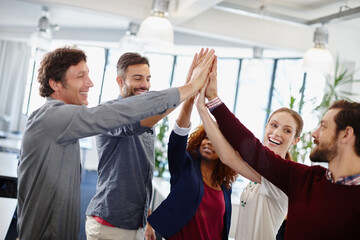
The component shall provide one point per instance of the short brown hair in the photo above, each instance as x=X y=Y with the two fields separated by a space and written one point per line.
x=349 y=115
x=54 y=66
x=128 y=59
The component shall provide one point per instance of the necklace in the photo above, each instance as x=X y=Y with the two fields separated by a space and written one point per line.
x=249 y=188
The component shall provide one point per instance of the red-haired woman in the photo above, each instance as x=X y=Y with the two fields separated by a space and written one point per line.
x=263 y=206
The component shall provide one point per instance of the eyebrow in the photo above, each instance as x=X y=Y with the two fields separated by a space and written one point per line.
x=278 y=122
x=81 y=72
x=323 y=121
x=140 y=75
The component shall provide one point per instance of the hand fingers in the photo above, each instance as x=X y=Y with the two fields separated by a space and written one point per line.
x=207 y=58
x=203 y=53
x=191 y=69
x=214 y=65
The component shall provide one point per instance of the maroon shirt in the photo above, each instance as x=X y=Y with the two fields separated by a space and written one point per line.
x=318 y=209
x=208 y=221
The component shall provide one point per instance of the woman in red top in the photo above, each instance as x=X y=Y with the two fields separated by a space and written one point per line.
x=199 y=204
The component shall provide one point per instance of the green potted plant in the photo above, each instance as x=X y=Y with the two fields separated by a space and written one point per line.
x=161 y=130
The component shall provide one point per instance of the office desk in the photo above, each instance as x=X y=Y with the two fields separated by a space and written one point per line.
x=8 y=163
x=7 y=210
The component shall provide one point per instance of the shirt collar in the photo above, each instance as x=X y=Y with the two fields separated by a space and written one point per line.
x=349 y=180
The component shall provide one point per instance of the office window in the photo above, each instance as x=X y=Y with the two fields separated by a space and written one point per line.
x=227 y=72
x=161 y=66
x=110 y=88
x=96 y=62
x=32 y=99
x=288 y=83
x=253 y=93
x=313 y=95
x=181 y=69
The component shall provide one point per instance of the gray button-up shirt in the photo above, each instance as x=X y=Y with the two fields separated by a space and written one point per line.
x=49 y=166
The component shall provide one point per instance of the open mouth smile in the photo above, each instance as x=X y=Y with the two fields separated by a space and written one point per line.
x=274 y=141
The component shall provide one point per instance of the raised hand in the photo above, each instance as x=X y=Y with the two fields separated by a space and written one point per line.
x=194 y=63
x=201 y=71
x=198 y=74
x=211 y=88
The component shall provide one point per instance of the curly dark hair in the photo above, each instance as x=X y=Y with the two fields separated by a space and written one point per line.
x=54 y=66
x=222 y=174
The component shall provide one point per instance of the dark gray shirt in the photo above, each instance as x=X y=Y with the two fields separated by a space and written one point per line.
x=125 y=172
x=49 y=165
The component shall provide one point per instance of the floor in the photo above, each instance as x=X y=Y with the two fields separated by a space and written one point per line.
x=88 y=188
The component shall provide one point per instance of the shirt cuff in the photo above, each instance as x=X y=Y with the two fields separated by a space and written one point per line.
x=211 y=105
x=180 y=130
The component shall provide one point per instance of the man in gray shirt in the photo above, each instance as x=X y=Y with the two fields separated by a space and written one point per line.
x=49 y=165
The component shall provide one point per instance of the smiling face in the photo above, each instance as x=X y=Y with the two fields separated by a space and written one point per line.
x=137 y=80
x=207 y=151
x=280 y=133
x=76 y=87
x=325 y=139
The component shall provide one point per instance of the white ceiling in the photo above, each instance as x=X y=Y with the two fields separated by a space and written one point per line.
x=195 y=21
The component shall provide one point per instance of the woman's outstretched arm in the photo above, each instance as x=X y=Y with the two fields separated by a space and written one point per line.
x=225 y=151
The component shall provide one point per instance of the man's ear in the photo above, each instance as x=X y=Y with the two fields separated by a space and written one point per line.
x=347 y=134
x=120 y=81
x=55 y=85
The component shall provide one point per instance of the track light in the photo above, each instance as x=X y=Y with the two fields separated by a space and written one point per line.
x=42 y=37
x=157 y=30
x=318 y=58
x=129 y=42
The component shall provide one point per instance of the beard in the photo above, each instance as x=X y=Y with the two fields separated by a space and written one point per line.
x=324 y=153
x=128 y=91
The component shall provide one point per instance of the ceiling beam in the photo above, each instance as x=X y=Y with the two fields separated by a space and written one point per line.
x=351 y=13
x=342 y=15
x=188 y=9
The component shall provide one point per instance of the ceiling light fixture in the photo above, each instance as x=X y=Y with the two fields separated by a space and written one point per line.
x=42 y=37
x=318 y=58
x=129 y=42
x=157 y=30
x=258 y=52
